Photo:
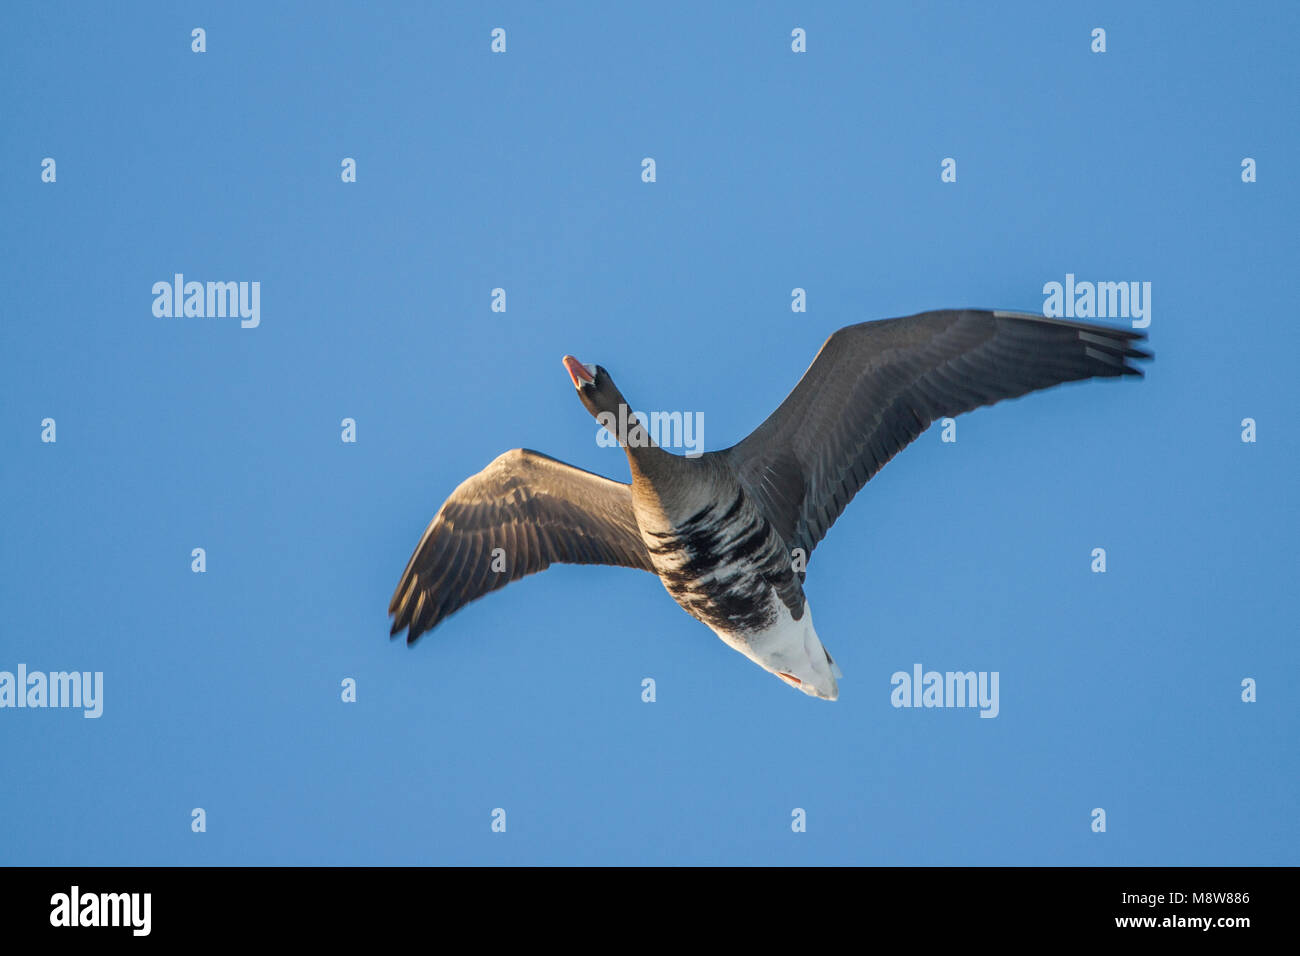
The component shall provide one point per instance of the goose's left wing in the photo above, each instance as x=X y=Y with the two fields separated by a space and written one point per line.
x=874 y=387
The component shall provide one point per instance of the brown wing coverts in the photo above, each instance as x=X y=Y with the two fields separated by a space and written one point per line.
x=538 y=510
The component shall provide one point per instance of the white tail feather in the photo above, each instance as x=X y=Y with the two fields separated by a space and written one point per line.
x=792 y=651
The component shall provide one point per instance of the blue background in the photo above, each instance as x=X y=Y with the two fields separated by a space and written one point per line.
x=775 y=170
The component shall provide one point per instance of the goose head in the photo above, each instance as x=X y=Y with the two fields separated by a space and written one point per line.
x=596 y=389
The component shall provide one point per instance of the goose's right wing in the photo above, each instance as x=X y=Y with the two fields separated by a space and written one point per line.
x=538 y=511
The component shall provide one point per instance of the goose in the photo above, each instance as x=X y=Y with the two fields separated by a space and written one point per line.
x=729 y=532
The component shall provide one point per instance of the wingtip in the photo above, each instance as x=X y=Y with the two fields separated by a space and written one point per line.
x=413 y=630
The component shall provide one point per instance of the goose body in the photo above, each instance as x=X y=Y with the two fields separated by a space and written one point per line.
x=721 y=560
x=729 y=533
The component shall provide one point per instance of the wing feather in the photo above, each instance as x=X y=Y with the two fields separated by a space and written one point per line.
x=538 y=510
x=874 y=387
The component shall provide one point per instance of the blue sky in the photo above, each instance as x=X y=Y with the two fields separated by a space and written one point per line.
x=522 y=171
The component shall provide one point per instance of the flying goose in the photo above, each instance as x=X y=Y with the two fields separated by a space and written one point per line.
x=728 y=532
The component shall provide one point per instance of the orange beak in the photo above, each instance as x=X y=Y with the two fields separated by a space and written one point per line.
x=578 y=372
